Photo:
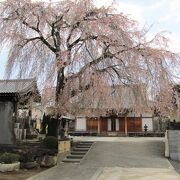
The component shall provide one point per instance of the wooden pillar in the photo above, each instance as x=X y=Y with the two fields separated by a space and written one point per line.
x=99 y=125
x=126 y=133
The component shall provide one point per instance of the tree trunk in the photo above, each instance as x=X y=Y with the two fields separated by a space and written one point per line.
x=59 y=91
x=59 y=84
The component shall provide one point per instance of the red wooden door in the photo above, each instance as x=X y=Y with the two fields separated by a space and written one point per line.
x=92 y=124
x=122 y=124
x=103 y=125
x=134 y=124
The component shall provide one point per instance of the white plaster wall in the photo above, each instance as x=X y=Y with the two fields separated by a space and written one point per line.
x=109 y=124
x=147 y=114
x=117 y=124
x=81 y=124
x=148 y=122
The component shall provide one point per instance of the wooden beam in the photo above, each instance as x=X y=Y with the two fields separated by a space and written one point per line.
x=126 y=133
x=99 y=125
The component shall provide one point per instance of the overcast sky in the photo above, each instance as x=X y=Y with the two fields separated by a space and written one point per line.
x=161 y=14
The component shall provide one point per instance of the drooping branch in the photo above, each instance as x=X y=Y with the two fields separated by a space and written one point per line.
x=41 y=36
x=69 y=40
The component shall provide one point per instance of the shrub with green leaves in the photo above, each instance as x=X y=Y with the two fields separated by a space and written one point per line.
x=8 y=158
x=50 y=142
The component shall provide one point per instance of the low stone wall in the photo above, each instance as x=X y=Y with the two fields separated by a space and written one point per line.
x=174 y=144
x=64 y=146
x=166 y=144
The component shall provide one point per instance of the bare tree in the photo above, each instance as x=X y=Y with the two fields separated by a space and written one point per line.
x=79 y=47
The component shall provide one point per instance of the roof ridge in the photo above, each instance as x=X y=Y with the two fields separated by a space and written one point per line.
x=17 y=85
x=17 y=80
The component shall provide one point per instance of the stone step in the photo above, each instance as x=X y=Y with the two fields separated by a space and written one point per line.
x=78 y=152
x=74 y=156
x=85 y=142
x=80 y=149
x=68 y=160
x=82 y=146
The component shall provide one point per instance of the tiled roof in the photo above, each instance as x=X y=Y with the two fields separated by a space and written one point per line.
x=17 y=85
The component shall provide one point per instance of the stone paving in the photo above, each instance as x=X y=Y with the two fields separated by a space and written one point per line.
x=118 y=158
x=118 y=173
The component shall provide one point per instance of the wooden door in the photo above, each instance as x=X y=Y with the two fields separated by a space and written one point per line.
x=103 y=125
x=134 y=124
x=92 y=125
x=122 y=124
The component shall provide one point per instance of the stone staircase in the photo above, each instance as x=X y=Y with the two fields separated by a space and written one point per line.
x=78 y=152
